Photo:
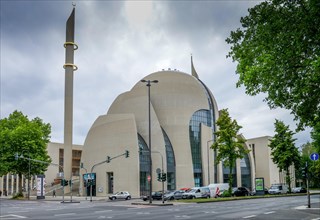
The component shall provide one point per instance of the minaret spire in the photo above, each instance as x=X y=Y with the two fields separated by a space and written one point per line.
x=193 y=70
x=68 y=96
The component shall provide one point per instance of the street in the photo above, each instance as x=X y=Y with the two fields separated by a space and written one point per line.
x=266 y=208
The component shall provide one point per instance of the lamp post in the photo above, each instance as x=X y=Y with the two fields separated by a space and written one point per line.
x=148 y=83
x=86 y=179
x=29 y=179
x=208 y=161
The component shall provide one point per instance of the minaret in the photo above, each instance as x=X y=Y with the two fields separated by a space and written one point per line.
x=68 y=95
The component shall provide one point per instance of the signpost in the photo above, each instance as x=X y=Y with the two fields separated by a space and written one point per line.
x=314 y=156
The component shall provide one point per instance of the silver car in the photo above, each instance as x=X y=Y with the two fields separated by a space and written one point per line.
x=120 y=195
x=173 y=195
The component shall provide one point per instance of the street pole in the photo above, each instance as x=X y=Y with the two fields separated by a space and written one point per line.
x=86 y=179
x=105 y=161
x=308 y=193
x=29 y=178
x=161 y=174
x=150 y=167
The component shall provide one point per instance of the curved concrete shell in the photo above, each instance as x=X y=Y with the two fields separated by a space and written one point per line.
x=177 y=101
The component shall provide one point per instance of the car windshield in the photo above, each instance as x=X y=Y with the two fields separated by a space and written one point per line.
x=274 y=187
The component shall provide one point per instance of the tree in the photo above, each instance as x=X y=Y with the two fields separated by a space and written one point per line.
x=229 y=145
x=313 y=168
x=26 y=137
x=278 y=53
x=283 y=150
x=315 y=165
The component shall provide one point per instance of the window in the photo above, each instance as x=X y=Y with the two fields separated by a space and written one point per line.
x=201 y=116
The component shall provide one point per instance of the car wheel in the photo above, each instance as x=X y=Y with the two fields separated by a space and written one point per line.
x=128 y=198
x=113 y=198
x=171 y=198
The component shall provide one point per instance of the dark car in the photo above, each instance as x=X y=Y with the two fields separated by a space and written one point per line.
x=242 y=191
x=155 y=196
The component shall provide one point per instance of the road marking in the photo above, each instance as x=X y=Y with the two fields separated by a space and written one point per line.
x=182 y=216
x=64 y=214
x=143 y=213
x=54 y=209
x=250 y=216
x=103 y=211
x=316 y=219
x=7 y=217
x=267 y=213
x=17 y=211
x=210 y=212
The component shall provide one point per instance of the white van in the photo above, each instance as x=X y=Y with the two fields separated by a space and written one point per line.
x=197 y=192
x=279 y=188
x=216 y=189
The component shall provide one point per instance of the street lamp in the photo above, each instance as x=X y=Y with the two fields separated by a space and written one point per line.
x=148 y=83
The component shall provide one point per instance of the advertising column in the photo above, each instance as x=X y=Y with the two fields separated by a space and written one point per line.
x=41 y=182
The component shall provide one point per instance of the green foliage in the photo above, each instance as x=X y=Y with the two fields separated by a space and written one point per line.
x=283 y=151
x=229 y=145
x=26 y=137
x=18 y=195
x=307 y=150
x=278 y=53
x=226 y=193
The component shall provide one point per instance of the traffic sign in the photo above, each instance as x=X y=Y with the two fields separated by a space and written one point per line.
x=314 y=156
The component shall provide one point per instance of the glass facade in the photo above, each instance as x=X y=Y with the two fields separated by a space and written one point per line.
x=245 y=172
x=144 y=166
x=200 y=117
x=226 y=172
x=171 y=163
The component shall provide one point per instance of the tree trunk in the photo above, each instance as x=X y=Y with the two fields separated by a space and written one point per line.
x=230 y=179
x=288 y=179
x=20 y=184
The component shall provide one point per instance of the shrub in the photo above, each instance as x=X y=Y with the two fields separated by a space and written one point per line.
x=18 y=195
x=226 y=194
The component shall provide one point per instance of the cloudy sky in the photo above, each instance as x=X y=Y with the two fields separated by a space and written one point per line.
x=120 y=42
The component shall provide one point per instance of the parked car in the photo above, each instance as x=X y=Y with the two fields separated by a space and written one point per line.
x=154 y=195
x=174 y=195
x=299 y=190
x=197 y=192
x=278 y=189
x=120 y=195
x=242 y=191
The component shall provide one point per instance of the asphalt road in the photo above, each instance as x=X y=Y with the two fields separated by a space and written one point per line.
x=267 y=208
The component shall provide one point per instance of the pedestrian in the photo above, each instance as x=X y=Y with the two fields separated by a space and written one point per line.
x=0 y=193
x=54 y=193
x=5 y=192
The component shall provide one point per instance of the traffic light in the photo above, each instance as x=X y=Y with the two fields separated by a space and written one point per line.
x=164 y=177
x=159 y=177
x=70 y=182
x=64 y=182
x=305 y=172
x=127 y=153
x=108 y=159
